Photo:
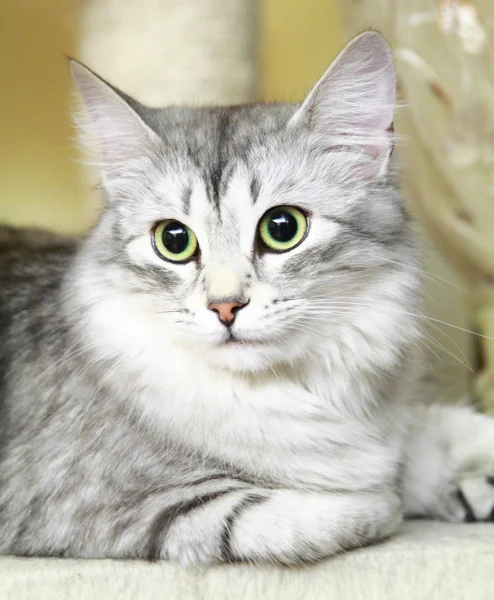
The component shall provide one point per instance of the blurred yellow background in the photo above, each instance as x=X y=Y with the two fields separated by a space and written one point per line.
x=298 y=41
x=40 y=181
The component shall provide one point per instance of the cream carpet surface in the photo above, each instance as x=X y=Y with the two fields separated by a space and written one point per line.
x=425 y=561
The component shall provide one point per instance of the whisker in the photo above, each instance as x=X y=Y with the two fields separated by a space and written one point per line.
x=428 y=273
x=442 y=347
x=352 y=304
x=332 y=308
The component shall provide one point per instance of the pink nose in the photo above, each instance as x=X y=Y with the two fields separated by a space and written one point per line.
x=226 y=311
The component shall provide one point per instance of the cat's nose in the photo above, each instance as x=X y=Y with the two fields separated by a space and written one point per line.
x=226 y=311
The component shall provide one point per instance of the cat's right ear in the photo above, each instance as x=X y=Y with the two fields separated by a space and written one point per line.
x=108 y=126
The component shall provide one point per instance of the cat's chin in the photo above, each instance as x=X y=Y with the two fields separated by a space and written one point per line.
x=247 y=356
x=239 y=356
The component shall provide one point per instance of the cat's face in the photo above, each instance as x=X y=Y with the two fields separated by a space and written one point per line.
x=251 y=234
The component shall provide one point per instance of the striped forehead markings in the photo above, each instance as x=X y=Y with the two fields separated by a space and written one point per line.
x=255 y=188
x=185 y=196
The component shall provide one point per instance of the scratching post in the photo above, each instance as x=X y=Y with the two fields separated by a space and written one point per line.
x=174 y=51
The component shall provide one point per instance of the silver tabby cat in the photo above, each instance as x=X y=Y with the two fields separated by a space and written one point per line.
x=226 y=368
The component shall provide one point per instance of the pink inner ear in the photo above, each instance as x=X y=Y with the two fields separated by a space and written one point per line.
x=109 y=127
x=374 y=151
x=391 y=132
x=352 y=105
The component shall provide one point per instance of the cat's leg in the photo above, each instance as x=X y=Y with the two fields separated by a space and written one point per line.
x=216 y=520
x=282 y=526
x=449 y=466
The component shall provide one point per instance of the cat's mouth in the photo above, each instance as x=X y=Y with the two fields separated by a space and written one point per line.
x=233 y=340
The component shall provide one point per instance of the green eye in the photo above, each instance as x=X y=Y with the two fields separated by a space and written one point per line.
x=283 y=228
x=174 y=241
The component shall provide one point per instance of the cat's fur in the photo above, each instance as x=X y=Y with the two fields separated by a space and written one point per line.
x=131 y=428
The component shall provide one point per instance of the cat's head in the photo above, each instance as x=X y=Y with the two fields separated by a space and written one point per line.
x=252 y=234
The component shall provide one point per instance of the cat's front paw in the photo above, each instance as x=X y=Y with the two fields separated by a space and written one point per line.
x=476 y=498
x=449 y=472
x=293 y=527
x=468 y=500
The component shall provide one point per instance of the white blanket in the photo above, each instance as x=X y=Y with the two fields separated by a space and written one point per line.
x=426 y=561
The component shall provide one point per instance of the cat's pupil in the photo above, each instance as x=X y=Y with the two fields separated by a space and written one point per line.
x=282 y=226
x=175 y=237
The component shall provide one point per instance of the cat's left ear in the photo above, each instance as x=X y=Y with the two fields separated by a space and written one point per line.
x=110 y=127
x=352 y=105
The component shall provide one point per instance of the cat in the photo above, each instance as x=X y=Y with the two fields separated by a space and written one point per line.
x=227 y=367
